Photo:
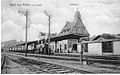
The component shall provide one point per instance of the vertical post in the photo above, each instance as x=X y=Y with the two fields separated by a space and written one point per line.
x=49 y=37
x=12 y=48
x=26 y=14
x=26 y=33
x=16 y=48
x=22 y=47
x=34 y=47
x=48 y=30
x=31 y=46
x=55 y=46
x=81 y=54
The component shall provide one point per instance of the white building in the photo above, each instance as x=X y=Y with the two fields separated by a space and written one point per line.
x=100 y=47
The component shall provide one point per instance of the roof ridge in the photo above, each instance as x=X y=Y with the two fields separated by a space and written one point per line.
x=70 y=27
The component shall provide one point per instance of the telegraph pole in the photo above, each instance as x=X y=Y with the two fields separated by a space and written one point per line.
x=26 y=26
x=49 y=36
x=49 y=17
x=26 y=14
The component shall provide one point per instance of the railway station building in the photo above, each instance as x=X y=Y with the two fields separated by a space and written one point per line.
x=65 y=41
x=70 y=35
x=74 y=38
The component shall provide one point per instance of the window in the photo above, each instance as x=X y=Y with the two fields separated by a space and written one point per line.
x=75 y=47
x=107 y=47
x=65 y=47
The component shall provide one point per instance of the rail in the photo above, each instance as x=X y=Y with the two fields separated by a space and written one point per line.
x=89 y=59
x=3 y=58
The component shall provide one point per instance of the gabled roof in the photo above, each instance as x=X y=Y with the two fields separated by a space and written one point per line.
x=105 y=36
x=75 y=27
x=100 y=41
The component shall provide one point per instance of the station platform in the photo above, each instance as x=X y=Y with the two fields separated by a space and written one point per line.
x=76 y=57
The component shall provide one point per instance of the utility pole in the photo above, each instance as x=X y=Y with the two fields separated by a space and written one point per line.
x=49 y=36
x=49 y=17
x=26 y=32
x=26 y=14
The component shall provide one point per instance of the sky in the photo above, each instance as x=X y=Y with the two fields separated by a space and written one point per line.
x=98 y=16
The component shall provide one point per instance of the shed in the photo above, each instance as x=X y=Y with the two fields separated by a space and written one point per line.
x=100 y=47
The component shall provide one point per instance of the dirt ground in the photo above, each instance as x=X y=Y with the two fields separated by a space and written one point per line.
x=11 y=67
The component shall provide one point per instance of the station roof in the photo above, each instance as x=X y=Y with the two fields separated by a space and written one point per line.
x=100 y=41
x=75 y=27
x=67 y=36
x=55 y=38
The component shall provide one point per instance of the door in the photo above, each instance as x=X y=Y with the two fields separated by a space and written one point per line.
x=75 y=47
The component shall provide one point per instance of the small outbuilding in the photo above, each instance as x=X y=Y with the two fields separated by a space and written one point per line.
x=100 y=46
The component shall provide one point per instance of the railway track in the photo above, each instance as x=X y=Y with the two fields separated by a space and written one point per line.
x=45 y=67
x=104 y=60
x=3 y=58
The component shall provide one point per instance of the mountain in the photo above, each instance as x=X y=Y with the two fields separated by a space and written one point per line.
x=7 y=44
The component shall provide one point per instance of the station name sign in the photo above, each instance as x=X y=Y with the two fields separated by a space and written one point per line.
x=24 y=4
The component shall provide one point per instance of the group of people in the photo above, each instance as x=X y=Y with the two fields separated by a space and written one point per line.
x=44 y=49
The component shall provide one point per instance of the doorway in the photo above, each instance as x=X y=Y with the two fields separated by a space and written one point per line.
x=75 y=47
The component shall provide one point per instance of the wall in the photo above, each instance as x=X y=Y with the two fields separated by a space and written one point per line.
x=79 y=47
x=62 y=43
x=94 y=48
x=51 y=46
x=71 y=42
x=67 y=43
x=116 y=47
